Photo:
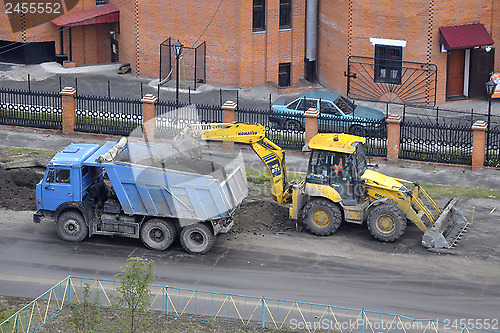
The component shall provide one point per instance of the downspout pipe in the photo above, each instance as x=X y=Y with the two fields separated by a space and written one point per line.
x=311 y=39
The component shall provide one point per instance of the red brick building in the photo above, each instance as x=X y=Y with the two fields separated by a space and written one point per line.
x=413 y=31
x=253 y=42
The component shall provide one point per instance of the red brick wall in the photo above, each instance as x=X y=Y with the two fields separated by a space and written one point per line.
x=235 y=55
x=333 y=31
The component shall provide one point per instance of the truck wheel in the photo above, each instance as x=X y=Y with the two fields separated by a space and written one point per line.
x=158 y=234
x=386 y=222
x=197 y=238
x=322 y=217
x=71 y=227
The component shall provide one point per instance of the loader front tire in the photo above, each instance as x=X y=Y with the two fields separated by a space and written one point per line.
x=71 y=227
x=158 y=234
x=386 y=222
x=197 y=238
x=322 y=217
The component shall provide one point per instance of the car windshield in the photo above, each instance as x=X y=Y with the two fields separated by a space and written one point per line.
x=344 y=104
x=291 y=99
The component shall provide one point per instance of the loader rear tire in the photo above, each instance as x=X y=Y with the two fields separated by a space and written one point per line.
x=322 y=217
x=71 y=227
x=158 y=234
x=386 y=222
x=197 y=238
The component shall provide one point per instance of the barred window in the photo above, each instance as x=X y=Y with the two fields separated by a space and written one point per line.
x=388 y=64
x=285 y=14
x=259 y=15
x=284 y=74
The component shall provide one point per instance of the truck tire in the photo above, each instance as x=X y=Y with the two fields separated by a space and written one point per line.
x=322 y=217
x=197 y=238
x=386 y=222
x=158 y=234
x=71 y=227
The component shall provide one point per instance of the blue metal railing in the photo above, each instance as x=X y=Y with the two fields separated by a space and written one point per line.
x=234 y=309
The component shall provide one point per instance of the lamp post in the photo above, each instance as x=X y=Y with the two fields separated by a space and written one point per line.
x=490 y=89
x=177 y=50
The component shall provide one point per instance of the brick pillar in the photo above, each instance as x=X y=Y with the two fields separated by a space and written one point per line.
x=229 y=112
x=393 y=137
x=68 y=109
x=311 y=116
x=149 y=116
x=478 y=144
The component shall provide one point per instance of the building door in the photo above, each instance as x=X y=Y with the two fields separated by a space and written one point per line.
x=455 y=79
x=481 y=66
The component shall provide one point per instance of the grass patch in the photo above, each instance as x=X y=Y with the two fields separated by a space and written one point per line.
x=445 y=191
x=8 y=154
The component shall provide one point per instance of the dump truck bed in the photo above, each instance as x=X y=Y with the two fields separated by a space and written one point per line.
x=155 y=180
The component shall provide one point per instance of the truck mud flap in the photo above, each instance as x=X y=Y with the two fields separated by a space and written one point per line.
x=448 y=228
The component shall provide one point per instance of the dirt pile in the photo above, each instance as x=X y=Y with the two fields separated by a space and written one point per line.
x=17 y=188
x=259 y=216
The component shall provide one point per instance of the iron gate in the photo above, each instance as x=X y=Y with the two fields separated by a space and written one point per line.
x=192 y=64
x=415 y=84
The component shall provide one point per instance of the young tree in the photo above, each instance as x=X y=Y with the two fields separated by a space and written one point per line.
x=85 y=315
x=133 y=287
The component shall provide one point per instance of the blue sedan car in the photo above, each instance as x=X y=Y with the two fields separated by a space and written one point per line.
x=337 y=114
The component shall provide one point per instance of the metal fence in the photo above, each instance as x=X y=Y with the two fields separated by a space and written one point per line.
x=106 y=115
x=493 y=147
x=240 y=310
x=30 y=108
x=171 y=117
x=375 y=131
x=436 y=141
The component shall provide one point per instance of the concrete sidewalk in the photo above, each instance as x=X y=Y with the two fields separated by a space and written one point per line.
x=296 y=162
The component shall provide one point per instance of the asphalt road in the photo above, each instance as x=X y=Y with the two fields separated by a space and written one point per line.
x=33 y=258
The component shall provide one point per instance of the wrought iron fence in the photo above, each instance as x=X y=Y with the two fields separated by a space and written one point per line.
x=436 y=141
x=241 y=310
x=493 y=147
x=375 y=131
x=171 y=117
x=106 y=115
x=416 y=82
x=30 y=108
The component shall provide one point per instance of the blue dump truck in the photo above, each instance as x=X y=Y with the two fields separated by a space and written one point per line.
x=141 y=190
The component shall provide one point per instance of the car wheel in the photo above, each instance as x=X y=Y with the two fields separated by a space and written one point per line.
x=357 y=130
x=293 y=125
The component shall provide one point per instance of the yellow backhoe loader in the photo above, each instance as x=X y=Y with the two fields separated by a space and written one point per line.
x=339 y=186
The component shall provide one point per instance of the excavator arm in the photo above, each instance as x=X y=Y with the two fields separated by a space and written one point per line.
x=273 y=156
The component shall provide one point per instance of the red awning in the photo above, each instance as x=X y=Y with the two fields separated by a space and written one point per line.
x=101 y=14
x=465 y=36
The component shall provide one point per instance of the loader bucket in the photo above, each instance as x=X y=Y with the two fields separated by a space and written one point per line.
x=448 y=228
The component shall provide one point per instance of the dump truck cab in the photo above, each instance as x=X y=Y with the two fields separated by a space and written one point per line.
x=67 y=179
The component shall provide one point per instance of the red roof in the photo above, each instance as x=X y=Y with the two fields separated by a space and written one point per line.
x=465 y=36
x=101 y=14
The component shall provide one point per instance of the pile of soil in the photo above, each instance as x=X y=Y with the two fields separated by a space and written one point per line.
x=17 y=188
x=260 y=216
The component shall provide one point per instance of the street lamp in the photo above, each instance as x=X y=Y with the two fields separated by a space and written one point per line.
x=177 y=50
x=490 y=89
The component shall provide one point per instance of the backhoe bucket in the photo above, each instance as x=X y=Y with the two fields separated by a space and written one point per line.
x=448 y=228
x=187 y=144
